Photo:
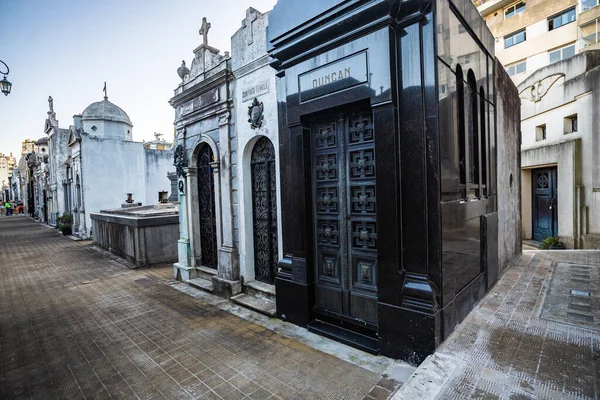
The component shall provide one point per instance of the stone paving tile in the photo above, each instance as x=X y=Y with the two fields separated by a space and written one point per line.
x=510 y=352
x=76 y=322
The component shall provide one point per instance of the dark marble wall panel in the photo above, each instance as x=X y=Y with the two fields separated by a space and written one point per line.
x=412 y=150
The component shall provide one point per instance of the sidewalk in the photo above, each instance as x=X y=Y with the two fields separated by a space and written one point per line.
x=536 y=335
x=75 y=323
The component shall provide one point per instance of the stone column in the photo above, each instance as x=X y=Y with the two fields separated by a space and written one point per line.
x=172 y=176
x=184 y=268
x=227 y=283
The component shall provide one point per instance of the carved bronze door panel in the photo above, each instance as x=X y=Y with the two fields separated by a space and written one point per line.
x=545 y=203
x=345 y=218
x=206 y=196
x=264 y=210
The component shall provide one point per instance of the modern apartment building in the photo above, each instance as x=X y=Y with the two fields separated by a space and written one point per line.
x=531 y=34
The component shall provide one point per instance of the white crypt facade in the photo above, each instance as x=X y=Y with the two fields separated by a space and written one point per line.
x=228 y=165
x=95 y=163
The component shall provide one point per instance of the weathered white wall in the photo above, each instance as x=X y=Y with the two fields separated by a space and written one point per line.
x=157 y=163
x=250 y=67
x=113 y=168
x=108 y=129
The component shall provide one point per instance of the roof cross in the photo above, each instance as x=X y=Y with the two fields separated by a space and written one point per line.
x=247 y=23
x=204 y=31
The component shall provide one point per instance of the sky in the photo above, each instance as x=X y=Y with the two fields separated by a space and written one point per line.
x=67 y=49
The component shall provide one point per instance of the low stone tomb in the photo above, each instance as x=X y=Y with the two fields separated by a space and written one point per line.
x=144 y=235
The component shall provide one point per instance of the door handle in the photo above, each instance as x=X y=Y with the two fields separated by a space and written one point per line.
x=551 y=202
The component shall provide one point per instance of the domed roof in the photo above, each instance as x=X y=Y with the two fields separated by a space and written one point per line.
x=105 y=110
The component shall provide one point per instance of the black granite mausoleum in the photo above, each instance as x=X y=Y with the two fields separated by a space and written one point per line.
x=388 y=181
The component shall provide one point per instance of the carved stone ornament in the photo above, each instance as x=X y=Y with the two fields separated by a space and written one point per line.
x=255 y=112
x=539 y=89
x=180 y=160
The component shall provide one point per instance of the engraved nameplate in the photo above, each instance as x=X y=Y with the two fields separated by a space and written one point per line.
x=255 y=91
x=333 y=77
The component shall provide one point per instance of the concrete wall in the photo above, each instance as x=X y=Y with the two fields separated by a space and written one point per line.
x=157 y=162
x=509 y=183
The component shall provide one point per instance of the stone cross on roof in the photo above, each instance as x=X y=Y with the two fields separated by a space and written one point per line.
x=204 y=31
x=247 y=23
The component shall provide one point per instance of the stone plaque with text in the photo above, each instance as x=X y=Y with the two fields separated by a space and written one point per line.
x=333 y=77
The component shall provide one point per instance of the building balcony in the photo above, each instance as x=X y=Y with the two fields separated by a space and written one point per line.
x=589 y=15
x=589 y=31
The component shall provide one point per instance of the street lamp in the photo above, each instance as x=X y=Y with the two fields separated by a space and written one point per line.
x=5 y=85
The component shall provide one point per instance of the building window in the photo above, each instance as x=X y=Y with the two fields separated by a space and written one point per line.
x=514 y=38
x=587 y=4
x=468 y=58
x=561 y=54
x=514 y=9
x=561 y=19
x=516 y=68
x=571 y=124
x=540 y=132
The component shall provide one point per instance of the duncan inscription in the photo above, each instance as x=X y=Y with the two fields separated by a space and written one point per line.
x=335 y=76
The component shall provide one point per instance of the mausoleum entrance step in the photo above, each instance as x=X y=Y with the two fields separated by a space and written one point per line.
x=260 y=289
x=206 y=273
x=261 y=305
x=202 y=284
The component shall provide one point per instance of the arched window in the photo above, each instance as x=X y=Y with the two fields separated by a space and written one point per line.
x=460 y=94
x=484 y=143
x=78 y=188
x=473 y=132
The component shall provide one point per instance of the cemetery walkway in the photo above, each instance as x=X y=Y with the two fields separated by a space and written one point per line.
x=535 y=335
x=76 y=322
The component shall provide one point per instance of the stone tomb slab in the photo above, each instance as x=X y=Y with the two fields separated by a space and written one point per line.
x=574 y=296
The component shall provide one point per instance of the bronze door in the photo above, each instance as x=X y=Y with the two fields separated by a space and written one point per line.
x=264 y=210
x=545 y=204
x=206 y=196
x=345 y=218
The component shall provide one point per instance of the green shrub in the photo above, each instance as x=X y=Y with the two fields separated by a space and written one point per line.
x=65 y=223
x=65 y=219
x=552 y=242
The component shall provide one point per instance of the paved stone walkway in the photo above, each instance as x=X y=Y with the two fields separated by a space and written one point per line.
x=77 y=323
x=529 y=338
